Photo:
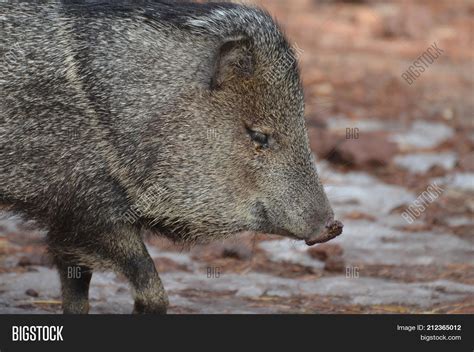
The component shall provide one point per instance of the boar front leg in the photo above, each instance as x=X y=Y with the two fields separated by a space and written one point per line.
x=128 y=255
x=75 y=282
x=121 y=250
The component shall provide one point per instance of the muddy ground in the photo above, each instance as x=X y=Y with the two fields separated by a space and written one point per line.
x=380 y=142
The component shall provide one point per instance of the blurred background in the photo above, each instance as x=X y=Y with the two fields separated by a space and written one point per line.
x=384 y=132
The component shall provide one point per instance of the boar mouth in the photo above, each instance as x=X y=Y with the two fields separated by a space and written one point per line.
x=333 y=228
x=331 y=231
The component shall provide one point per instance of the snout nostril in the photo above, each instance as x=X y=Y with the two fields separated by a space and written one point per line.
x=330 y=223
x=334 y=227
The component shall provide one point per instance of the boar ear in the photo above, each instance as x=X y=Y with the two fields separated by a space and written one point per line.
x=234 y=59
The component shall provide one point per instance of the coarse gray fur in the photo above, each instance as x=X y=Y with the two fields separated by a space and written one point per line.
x=102 y=102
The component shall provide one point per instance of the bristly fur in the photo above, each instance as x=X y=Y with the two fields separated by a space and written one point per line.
x=104 y=101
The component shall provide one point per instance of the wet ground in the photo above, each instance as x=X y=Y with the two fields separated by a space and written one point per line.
x=380 y=143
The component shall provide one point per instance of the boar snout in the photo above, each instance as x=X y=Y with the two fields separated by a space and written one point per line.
x=333 y=228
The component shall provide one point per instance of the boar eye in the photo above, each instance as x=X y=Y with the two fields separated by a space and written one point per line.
x=258 y=137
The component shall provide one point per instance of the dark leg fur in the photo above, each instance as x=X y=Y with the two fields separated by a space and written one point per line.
x=75 y=282
x=124 y=252
x=136 y=264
